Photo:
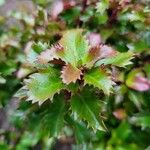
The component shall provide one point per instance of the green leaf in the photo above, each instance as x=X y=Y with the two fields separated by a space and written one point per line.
x=130 y=80
x=2 y=80
x=44 y=85
x=21 y=93
x=100 y=79
x=87 y=107
x=102 y=6
x=141 y=119
x=34 y=52
x=39 y=47
x=124 y=126
x=53 y=118
x=147 y=70
x=26 y=142
x=75 y=47
x=138 y=46
x=136 y=98
x=120 y=60
x=80 y=130
x=3 y=146
x=32 y=57
x=131 y=16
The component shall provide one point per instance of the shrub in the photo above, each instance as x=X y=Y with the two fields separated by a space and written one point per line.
x=75 y=73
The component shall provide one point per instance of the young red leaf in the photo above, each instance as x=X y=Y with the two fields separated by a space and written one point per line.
x=70 y=74
x=120 y=114
x=47 y=56
x=137 y=81
x=94 y=39
x=93 y=56
x=107 y=51
x=57 y=8
x=60 y=5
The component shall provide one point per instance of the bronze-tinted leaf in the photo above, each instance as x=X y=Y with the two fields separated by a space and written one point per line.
x=47 y=56
x=94 y=39
x=107 y=51
x=70 y=74
x=137 y=81
x=120 y=114
x=56 y=9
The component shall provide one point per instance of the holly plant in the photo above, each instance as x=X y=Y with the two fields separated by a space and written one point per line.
x=70 y=76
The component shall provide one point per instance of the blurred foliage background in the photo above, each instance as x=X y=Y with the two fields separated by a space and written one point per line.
x=123 y=24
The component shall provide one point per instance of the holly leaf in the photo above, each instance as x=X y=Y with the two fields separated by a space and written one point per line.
x=98 y=52
x=92 y=56
x=52 y=119
x=47 y=55
x=33 y=53
x=75 y=46
x=120 y=60
x=70 y=74
x=81 y=132
x=102 y=6
x=137 y=80
x=44 y=85
x=87 y=107
x=99 y=78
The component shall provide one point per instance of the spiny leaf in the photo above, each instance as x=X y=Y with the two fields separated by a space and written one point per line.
x=47 y=56
x=53 y=118
x=70 y=74
x=87 y=107
x=120 y=60
x=107 y=51
x=92 y=56
x=33 y=53
x=42 y=86
x=98 y=52
x=75 y=47
x=21 y=93
x=100 y=79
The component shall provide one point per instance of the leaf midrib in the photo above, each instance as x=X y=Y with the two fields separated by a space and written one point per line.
x=93 y=115
x=57 y=120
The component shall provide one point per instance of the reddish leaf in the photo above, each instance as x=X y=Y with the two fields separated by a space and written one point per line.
x=60 y=5
x=47 y=56
x=98 y=52
x=70 y=74
x=141 y=84
x=93 y=55
x=94 y=39
x=56 y=9
x=107 y=51
x=119 y=113
x=68 y=4
x=137 y=81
